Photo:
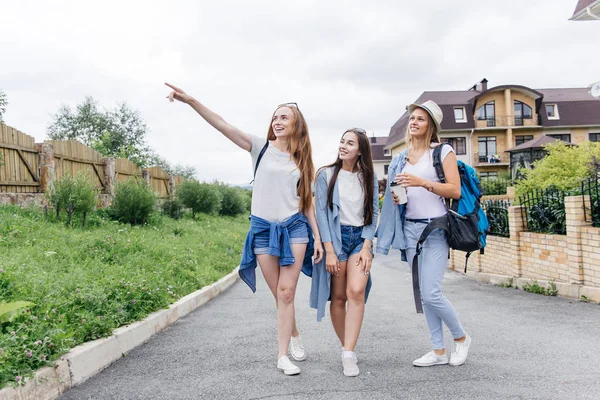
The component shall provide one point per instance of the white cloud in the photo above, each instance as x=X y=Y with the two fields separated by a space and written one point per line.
x=346 y=63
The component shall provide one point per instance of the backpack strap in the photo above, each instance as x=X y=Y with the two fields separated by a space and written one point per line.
x=260 y=156
x=437 y=223
x=437 y=162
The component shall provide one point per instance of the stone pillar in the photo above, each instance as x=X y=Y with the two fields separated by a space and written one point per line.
x=576 y=221
x=510 y=193
x=171 y=187
x=516 y=226
x=110 y=175
x=146 y=176
x=46 y=163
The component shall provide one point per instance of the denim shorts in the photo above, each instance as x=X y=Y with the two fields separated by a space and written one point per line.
x=352 y=241
x=298 y=234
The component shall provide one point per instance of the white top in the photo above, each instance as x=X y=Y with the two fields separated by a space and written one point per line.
x=274 y=195
x=352 y=198
x=422 y=203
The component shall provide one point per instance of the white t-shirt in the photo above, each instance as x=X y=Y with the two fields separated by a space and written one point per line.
x=274 y=195
x=352 y=198
x=422 y=203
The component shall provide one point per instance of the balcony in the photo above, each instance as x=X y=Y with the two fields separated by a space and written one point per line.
x=498 y=160
x=508 y=121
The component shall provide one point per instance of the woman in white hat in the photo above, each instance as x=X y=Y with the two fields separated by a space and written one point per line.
x=405 y=216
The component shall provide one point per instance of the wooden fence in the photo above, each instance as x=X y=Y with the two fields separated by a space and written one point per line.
x=27 y=167
x=72 y=158
x=19 y=165
x=126 y=169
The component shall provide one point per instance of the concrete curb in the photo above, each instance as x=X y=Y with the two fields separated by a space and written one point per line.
x=86 y=360
x=569 y=290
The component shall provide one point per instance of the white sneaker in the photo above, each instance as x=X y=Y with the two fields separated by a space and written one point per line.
x=461 y=350
x=353 y=356
x=297 y=348
x=287 y=366
x=350 y=367
x=431 y=359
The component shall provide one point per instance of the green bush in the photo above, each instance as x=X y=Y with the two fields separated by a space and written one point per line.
x=233 y=200
x=199 y=197
x=74 y=195
x=563 y=168
x=494 y=186
x=248 y=193
x=133 y=202
x=173 y=208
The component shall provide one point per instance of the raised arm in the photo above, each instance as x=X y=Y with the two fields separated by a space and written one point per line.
x=232 y=133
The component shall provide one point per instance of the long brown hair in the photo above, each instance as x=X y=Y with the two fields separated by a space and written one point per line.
x=301 y=151
x=431 y=135
x=364 y=163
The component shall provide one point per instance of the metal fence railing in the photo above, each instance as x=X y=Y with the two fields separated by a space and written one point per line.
x=497 y=214
x=543 y=211
x=591 y=187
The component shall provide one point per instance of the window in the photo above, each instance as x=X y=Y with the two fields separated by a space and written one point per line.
x=387 y=152
x=459 y=144
x=565 y=137
x=487 y=112
x=487 y=175
x=487 y=148
x=520 y=139
x=385 y=169
x=552 y=111
x=459 y=114
x=594 y=137
x=522 y=111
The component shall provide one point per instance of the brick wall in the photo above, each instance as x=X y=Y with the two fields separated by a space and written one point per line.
x=544 y=256
x=572 y=261
x=590 y=248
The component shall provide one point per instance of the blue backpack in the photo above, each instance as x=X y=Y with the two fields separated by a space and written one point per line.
x=465 y=222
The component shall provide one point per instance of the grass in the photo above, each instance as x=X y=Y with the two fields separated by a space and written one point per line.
x=534 y=287
x=86 y=283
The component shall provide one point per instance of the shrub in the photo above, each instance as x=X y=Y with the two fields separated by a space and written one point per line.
x=199 y=197
x=173 y=208
x=133 y=202
x=74 y=195
x=233 y=200
x=563 y=168
x=248 y=193
x=494 y=186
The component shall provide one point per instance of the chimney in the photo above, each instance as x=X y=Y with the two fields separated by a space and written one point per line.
x=373 y=139
x=484 y=83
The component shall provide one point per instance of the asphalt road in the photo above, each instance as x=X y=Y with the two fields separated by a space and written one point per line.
x=525 y=346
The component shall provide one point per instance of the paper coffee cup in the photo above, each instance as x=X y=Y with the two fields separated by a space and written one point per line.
x=399 y=191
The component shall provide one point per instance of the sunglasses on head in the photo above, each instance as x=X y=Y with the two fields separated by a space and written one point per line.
x=358 y=130
x=289 y=105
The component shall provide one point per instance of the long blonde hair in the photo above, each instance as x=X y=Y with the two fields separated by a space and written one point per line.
x=301 y=151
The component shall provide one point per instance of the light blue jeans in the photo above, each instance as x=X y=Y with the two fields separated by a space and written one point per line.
x=432 y=266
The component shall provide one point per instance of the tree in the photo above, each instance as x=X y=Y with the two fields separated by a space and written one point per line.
x=119 y=133
x=3 y=104
x=186 y=171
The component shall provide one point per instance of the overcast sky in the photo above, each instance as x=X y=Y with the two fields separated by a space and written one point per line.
x=346 y=63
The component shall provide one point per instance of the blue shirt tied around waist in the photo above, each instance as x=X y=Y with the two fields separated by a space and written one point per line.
x=330 y=229
x=279 y=246
x=390 y=231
